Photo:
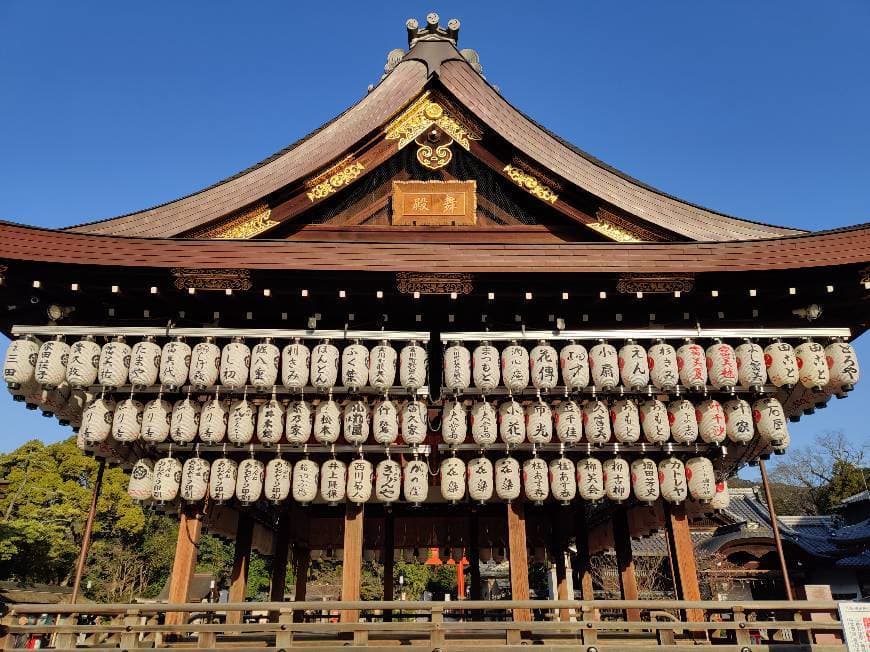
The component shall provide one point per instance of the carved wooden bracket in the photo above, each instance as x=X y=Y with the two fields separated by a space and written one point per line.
x=434 y=283
x=655 y=283
x=212 y=279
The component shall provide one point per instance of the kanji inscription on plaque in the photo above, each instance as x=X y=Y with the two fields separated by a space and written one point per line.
x=434 y=203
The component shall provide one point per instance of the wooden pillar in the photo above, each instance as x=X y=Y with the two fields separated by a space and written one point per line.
x=241 y=563
x=389 y=562
x=281 y=545
x=184 y=563
x=518 y=557
x=683 y=555
x=352 y=564
x=474 y=556
x=562 y=583
x=89 y=530
x=584 y=567
x=301 y=561
x=625 y=561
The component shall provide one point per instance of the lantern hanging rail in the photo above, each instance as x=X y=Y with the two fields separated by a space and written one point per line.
x=256 y=392
x=222 y=333
x=643 y=334
x=650 y=391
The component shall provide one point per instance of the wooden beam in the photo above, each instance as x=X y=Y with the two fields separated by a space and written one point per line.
x=351 y=566
x=683 y=555
x=625 y=561
x=518 y=557
x=241 y=564
x=184 y=562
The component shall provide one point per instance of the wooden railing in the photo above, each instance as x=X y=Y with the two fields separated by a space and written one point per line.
x=592 y=626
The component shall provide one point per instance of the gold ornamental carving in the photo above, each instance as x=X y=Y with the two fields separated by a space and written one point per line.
x=332 y=180
x=655 y=283
x=212 y=279
x=609 y=230
x=241 y=227
x=434 y=283
x=530 y=184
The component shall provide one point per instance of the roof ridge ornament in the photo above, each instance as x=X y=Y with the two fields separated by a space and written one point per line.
x=432 y=45
x=432 y=31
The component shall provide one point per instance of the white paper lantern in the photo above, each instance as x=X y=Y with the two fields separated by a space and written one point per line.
x=167 y=479
x=297 y=422
x=127 y=421
x=626 y=422
x=480 y=479
x=327 y=422
x=617 y=479
x=536 y=479
x=97 y=420
x=174 y=363
x=684 y=422
x=452 y=479
x=485 y=367
x=413 y=366
x=590 y=479
x=114 y=364
x=663 y=366
x=84 y=361
x=270 y=422
x=205 y=362
x=596 y=422
x=539 y=423
x=633 y=365
x=507 y=479
x=235 y=361
x=692 y=363
x=306 y=478
x=213 y=421
x=184 y=423
x=544 y=366
x=20 y=362
x=457 y=368
x=141 y=480
x=385 y=422
x=382 y=366
x=782 y=369
x=415 y=482
x=276 y=485
x=812 y=365
x=249 y=483
x=672 y=480
x=604 y=366
x=51 y=363
x=569 y=422
x=333 y=481
x=454 y=426
x=843 y=365
x=722 y=498
x=721 y=365
x=751 y=370
x=194 y=479
x=770 y=421
x=511 y=423
x=359 y=481
x=414 y=423
x=701 y=479
x=240 y=422
x=156 y=418
x=324 y=366
x=711 y=422
x=265 y=359
x=574 y=362
x=388 y=481
x=144 y=362
x=222 y=480
x=654 y=421
x=563 y=480
x=515 y=367
x=738 y=421
x=484 y=424
x=355 y=366
x=645 y=480
x=295 y=364
x=356 y=423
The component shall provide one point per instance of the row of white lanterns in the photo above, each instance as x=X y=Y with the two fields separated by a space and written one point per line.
x=634 y=367
x=176 y=363
x=480 y=480
x=592 y=421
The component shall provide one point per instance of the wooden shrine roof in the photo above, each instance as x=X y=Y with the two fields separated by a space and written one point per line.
x=427 y=65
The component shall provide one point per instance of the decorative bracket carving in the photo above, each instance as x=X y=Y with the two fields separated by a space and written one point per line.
x=530 y=184
x=251 y=222
x=434 y=283
x=212 y=279
x=425 y=113
x=334 y=178
x=655 y=283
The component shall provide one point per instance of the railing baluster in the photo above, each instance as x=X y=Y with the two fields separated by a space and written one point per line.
x=284 y=638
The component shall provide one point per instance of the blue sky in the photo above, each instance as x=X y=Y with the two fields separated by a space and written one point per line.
x=754 y=109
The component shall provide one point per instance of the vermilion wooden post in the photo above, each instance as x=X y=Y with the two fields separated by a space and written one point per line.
x=683 y=554
x=625 y=561
x=184 y=563
x=518 y=557
x=352 y=564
